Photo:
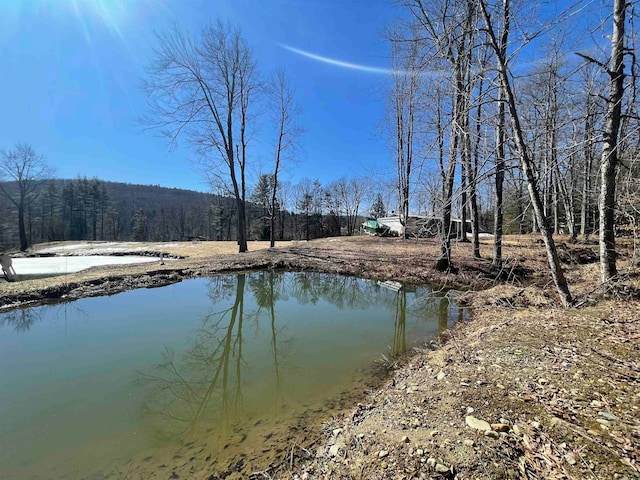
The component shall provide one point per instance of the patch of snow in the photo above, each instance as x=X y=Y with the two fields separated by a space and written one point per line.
x=63 y=265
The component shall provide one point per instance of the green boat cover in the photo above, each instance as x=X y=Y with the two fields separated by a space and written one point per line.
x=371 y=225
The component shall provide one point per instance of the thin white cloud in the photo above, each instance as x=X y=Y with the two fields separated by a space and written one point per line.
x=340 y=63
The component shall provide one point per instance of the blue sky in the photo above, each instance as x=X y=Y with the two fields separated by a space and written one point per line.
x=70 y=84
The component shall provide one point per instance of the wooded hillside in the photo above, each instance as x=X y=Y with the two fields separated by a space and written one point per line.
x=92 y=209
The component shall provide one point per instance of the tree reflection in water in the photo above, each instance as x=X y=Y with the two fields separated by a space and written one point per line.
x=443 y=314
x=204 y=387
x=399 y=346
x=426 y=305
x=268 y=288
x=182 y=392
x=20 y=320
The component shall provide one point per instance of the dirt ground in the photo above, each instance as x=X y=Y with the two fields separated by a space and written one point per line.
x=524 y=389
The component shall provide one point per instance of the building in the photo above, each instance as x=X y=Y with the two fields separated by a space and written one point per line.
x=420 y=226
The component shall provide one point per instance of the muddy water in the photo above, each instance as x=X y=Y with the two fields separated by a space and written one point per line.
x=219 y=375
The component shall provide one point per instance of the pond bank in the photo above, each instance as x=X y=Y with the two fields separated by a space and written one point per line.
x=366 y=257
x=519 y=392
x=558 y=389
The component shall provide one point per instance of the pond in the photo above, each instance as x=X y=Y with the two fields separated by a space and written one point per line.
x=193 y=376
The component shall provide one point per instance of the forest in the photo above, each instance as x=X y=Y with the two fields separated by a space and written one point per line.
x=92 y=209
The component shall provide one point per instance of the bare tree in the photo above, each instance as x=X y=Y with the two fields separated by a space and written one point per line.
x=590 y=79
x=283 y=197
x=610 y=160
x=448 y=26
x=527 y=165
x=285 y=112
x=404 y=104
x=351 y=194
x=202 y=87
x=553 y=95
x=27 y=168
x=308 y=202
x=501 y=129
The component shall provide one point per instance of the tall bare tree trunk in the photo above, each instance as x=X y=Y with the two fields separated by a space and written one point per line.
x=24 y=243
x=284 y=113
x=461 y=63
x=475 y=214
x=557 y=273
x=498 y=217
x=585 y=208
x=609 y=160
x=443 y=263
x=405 y=97
x=464 y=186
x=467 y=154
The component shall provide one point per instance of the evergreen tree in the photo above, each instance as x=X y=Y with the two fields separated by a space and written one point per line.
x=378 y=209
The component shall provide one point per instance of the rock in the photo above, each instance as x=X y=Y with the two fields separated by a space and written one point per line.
x=536 y=425
x=468 y=442
x=440 y=468
x=405 y=439
x=433 y=433
x=477 y=424
x=501 y=386
x=383 y=453
x=441 y=375
x=608 y=415
x=517 y=430
x=570 y=459
x=334 y=450
x=431 y=462
x=604 y=422
x=597 y=404
x=470 y=410
x=491 y=434
x=337 y=431
x=360 y=436
x=419 y=452
x=500 y=427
